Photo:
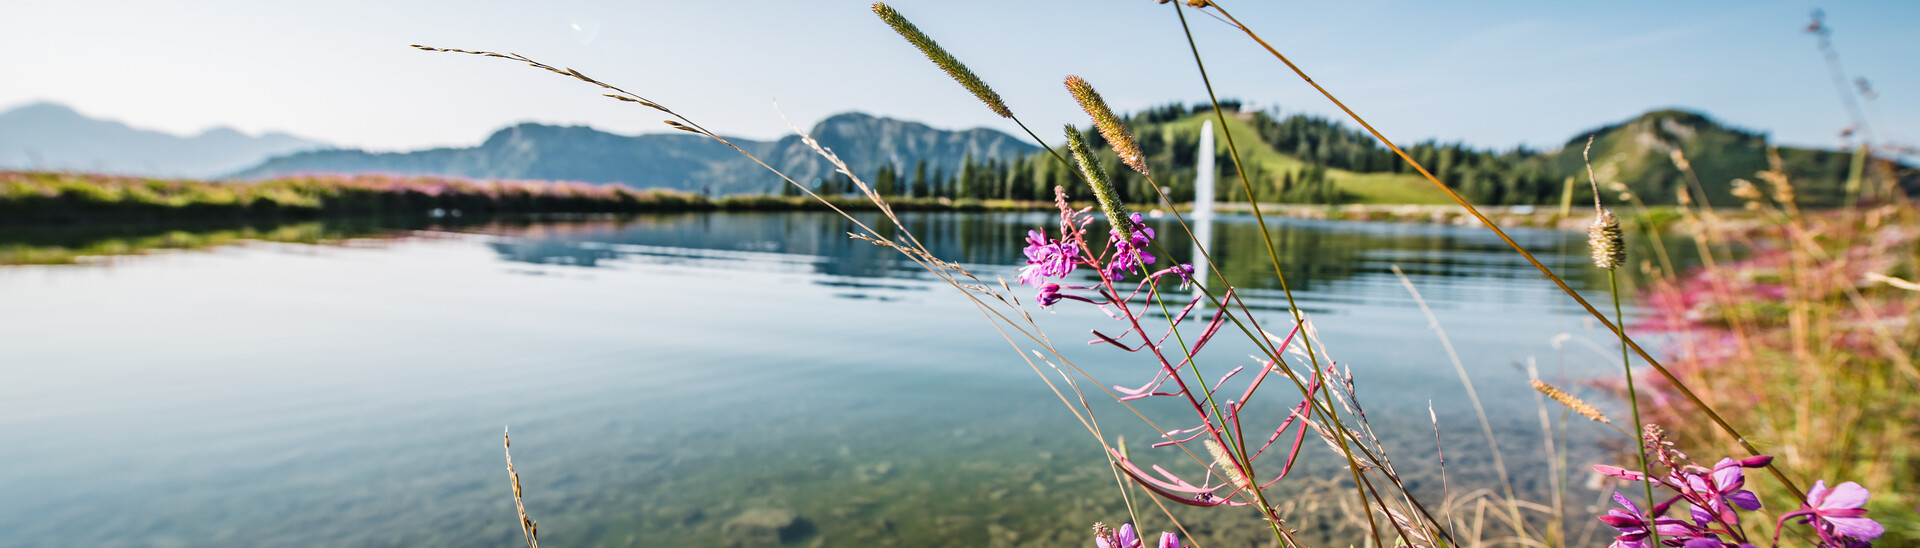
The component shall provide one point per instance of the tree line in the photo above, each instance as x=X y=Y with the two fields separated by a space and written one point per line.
x=1520 y=175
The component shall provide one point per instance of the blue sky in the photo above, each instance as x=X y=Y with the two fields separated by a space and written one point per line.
x=1494 y=74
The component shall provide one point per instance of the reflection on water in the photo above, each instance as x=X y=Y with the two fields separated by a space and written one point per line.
x=666 y=375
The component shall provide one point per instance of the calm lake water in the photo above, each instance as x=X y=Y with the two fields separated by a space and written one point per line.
x=665 y=375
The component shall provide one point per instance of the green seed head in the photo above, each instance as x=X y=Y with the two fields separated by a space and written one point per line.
x=944 y=60
x=1102 y=187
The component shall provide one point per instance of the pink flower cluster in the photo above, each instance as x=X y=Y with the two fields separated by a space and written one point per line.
x=1714 y=497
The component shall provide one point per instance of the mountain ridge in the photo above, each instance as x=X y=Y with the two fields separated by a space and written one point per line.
x=672 y=160
x=52 y=136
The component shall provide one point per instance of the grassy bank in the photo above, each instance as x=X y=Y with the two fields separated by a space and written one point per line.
x=46 y=197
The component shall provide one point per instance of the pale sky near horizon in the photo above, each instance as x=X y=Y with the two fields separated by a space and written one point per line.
x=1492 y=74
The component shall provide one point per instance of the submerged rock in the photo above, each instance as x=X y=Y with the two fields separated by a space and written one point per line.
x=765 y=527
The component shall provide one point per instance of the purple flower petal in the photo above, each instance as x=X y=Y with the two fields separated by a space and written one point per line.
x=1860 y=528
x=1127 y=538
x=1845 y=495
x=1703 y=542
x=1621 y=473
x=1169 y=540
x=1727 y=474
x=1746 y=500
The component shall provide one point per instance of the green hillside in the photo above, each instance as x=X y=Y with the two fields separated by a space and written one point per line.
x=1272 y=166
x=1305 y=159
x=1639 y=153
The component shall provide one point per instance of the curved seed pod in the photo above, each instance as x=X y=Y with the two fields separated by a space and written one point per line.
x=1603 y=236
x=944 y=60
x=1102 y=187
x=1110 y=126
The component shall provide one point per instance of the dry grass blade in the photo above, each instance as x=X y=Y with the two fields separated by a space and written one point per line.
x=528 y=528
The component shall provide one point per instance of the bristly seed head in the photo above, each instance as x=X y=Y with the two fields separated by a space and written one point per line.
x=1110 y=126
x=1576 y=404
x=1228 y=466
x=1102 y=188
x=1603 y=237
x=940 y=57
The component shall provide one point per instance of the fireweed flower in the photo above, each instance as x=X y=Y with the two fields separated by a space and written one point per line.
x=1129 y=249
x=1723 y=485
x=1837 y=514
x=1632 y=525
x=1047 y=259
x=1127 y=538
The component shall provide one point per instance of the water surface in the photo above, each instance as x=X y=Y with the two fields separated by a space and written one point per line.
x=664 y=375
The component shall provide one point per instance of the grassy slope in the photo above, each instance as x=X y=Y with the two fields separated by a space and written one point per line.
x=1365 y=188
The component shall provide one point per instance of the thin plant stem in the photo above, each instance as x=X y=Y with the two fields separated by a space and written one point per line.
x=1445 y=489
x=1633 y=400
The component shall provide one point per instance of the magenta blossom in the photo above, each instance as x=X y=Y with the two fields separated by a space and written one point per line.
x=1047 y=259
x=1838 y=515
x=1723 y=485
x=1633 y=525
x=1127 y=538
x=1130 y=252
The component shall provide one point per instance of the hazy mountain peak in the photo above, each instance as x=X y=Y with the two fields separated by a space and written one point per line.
x=52 y=136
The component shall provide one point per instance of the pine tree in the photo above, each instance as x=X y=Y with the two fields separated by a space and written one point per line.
x=920 y=188
x=883 y=182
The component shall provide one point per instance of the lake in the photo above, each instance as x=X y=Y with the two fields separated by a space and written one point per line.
x=664 y=376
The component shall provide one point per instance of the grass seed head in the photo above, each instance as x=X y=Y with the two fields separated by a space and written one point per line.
x=1603 y=236
x=941 y=58
x=1227 y=465
x=1102 y=187
x=1576 y=404
x=1110 y=126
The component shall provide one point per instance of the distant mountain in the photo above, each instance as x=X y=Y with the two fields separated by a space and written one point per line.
x=1639 y=152
x=48 y=136
x=679 y=161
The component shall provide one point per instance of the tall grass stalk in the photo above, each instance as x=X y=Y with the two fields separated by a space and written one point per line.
x=1608 y=252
